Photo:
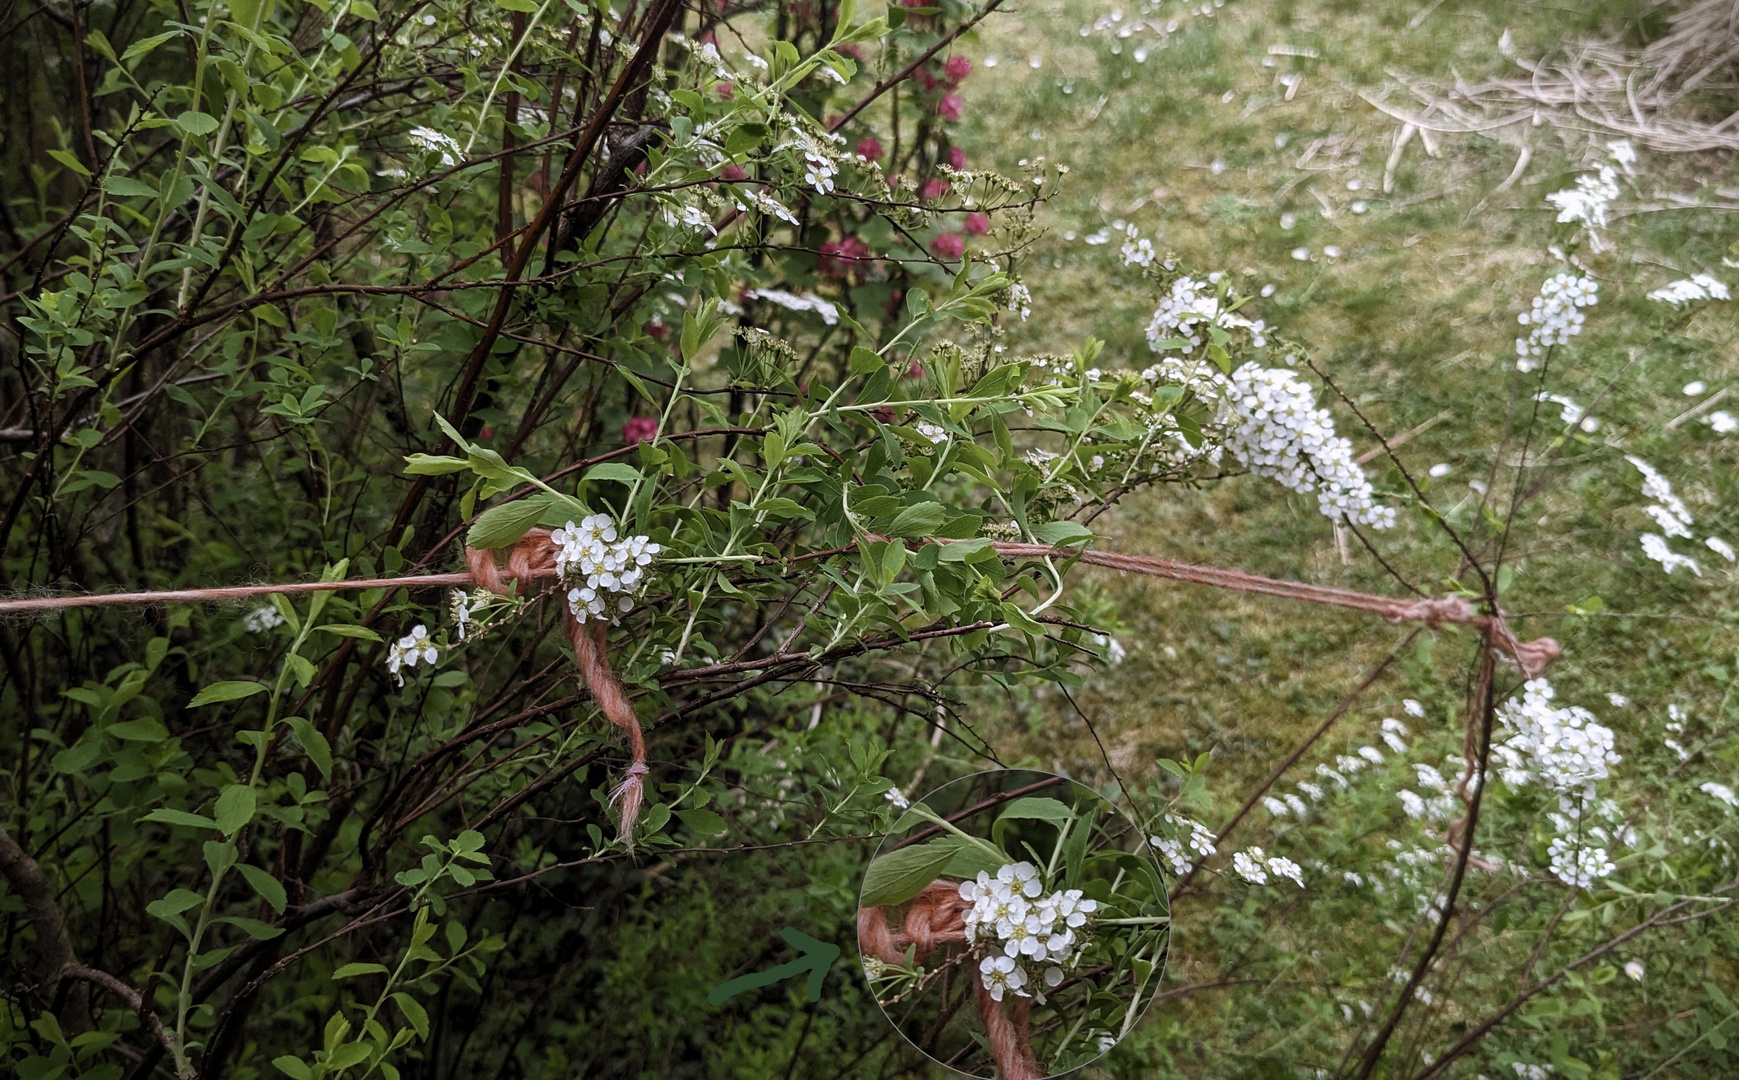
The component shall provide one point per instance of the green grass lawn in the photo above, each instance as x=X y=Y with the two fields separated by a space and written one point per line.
x=1246 y=141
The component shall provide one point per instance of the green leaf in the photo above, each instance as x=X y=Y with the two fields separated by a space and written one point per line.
x=349 y=1054
x=1032 y=808
x=1057 y=533
x=67 y=158
x=149 y=729
x=433 y=465
x=254 y=928
x=342 y=630
x=614 y=470
x=503 y=525
x=293 y=1067
x=967 y=550
x=702 y=822
x=351 y=971
x=900 y=875
x=314 y=744
x=301 y=667
x=413 y=1012
x=920 y=520
x=271 y=890
x=175 y=903
x=196 y=123
x=226 y=691
x=179 y=817
x=969 y=860
x=865 y=362
x=745 y=139
x=145 y=45
x=125 y=187
x=235 y=808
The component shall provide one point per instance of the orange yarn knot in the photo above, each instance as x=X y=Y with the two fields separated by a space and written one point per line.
x=534 y=557
x=937 y=917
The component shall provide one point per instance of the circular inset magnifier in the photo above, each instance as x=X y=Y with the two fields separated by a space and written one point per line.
x=1012 y=925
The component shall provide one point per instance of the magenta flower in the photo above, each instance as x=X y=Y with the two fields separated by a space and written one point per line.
x=639 y=429
x=869 y=148
x=948 y=246
x=956 y=158
x=933 y=189
x=733 y=172
x=956 y=68
x=725 y=91
x=977 y=224
x=950 y=107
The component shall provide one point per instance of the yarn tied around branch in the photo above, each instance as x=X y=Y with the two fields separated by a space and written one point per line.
x=534 y=557
x=937 y=917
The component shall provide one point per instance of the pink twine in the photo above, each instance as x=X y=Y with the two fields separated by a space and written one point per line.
x=1532 y=657
x=934 y=918
x=534 y=557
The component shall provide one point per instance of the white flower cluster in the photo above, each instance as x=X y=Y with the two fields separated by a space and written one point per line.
x=936 y=433
x=1721 y=792
x=1576 y=864
x=1022 y=927
x=748 y=198
x=1588 y=201
x=818 y=173
x=408 y=650
x=1253 y=867
x=1189 y=305
x=689 y=217
x=1136 y=250
x=1669 y=512
x=1277 y=431
x=261 y=619
x=1019 y=300
x=1201 y=842
x=1556 y=316
x=1569 y=411
x=1691 y=289
x=1438 y=805
x=432 y=141
x=465 y=607
x=596 y=566
x=798 y=302
x=1566 y=748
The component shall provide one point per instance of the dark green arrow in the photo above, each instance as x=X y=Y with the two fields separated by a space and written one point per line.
x=817 y=957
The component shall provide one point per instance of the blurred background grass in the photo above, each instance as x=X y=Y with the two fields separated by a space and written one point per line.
x=1234 y=136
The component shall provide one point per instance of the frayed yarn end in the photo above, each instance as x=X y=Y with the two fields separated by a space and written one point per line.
x=630 y=793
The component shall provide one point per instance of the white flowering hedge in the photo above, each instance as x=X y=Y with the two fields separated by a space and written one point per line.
x=715 y=296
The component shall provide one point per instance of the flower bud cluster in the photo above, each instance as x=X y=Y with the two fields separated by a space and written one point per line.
x=603 y=574
x=1555 y=317
x=1022 y=929
x=1277 y=431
